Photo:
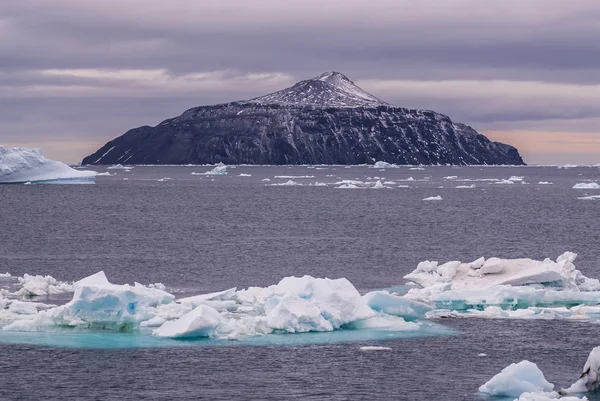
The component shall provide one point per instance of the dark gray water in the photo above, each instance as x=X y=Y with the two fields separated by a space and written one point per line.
x=195 y=234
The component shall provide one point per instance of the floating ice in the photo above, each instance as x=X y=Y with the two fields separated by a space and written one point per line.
x=22 y=165
x=105 y=174
x=516 y=379
x=245 y=175
x=383 y=301
x=293 y=177
x=118 y=167
x=505 y=283
x=590 y=378
x=450 y=177
x=347 y=186
x=433 y=198
x=266 y=179
x=32 y=286
x=288 y=183
x=552 y=396
x=381 y=164
x=2 y=275
x=219 y=169
x=504 y=182
x=592 y=197
x=200 y=322
x=378 y=185
x=466 y=186
x=544 y=183
x=587 y=185
x=375 y=348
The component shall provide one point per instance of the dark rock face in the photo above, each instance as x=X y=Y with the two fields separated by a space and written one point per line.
x=325 y=120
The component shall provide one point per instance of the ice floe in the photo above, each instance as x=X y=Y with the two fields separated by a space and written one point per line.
x=507 y=288
x=591 y=197
x=22 y=165
x=374 y=348
x=294 y=305
x=590 y=377
x=587 y=185
x=433 y=198
x=516 y=379
x=119 y=167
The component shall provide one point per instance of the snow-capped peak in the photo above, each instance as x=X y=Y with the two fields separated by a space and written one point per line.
x=330 y=89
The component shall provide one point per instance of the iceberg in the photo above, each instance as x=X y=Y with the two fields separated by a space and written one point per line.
x=219 y=169
x=496 y=285
x=381 y=164
x=587 y=185
x=119 y=167
x=23 y=165
x=516 y=379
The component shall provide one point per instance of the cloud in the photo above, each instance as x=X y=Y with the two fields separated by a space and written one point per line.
x=90 y=70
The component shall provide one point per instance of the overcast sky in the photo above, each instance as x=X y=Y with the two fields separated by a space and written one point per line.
x=77 y=73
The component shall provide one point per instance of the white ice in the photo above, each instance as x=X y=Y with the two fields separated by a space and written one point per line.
x=381 y=164
x=21 y=165
x=433 y=198
x=374 y=348
x=587 y=185
x=516 y=379
x=118 y=167
x=219 y=169
x=590 y=378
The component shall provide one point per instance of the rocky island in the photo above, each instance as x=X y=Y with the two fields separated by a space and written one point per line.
x=323 y=120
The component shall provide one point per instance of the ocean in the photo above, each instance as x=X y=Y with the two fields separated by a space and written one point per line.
x=201 y=233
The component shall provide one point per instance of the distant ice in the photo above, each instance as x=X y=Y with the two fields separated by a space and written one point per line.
x=22 y=165
x=381 y=164
x=433 y=198
x=466 y=186
x=450 y=177
x=119 y=167
x=378 y=185
x=347 y=186
x=245 y=175
x=591 y=197
x=266 y=179
x=105 y=174
x=544 y=183
x=587 y=185
x=219 y=169
x=288 y=183
x=293 y=177
x=4 y=275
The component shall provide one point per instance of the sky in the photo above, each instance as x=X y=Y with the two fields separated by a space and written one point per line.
x=75 y=74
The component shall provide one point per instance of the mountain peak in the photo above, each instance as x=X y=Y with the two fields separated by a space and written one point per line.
x=330 y=89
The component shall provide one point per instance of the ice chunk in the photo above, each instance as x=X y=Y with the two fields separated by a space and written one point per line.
x=381 y=164
x=592 y=197
x=450 y=177
x=219 y=169
x=587 y=185
x=465 y=186
x=375 y=348
x=200 y=322
x=590 y=378
x=21 y=165
x=544 y=183
x=4 y=275
x=552 y=396
x=293 y=314
x=561 y=273
x=378 y=185
x=516 y=379
x=32 y=286
x=383 y=301
x=504 y=182
x=288 y=183
x=196 y=300
x=347 y=186
x=245 y=175
x=118 y=167
x=433 y=198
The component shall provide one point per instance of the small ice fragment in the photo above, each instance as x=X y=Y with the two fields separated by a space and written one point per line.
x=375 y=348
x=433 y=198
x=516 y=379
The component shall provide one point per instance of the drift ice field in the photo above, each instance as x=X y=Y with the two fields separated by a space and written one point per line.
x=444 y=282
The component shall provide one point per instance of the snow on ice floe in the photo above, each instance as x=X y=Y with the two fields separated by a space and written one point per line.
x=22 y=165
x=516 y=379
x=587 y=185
